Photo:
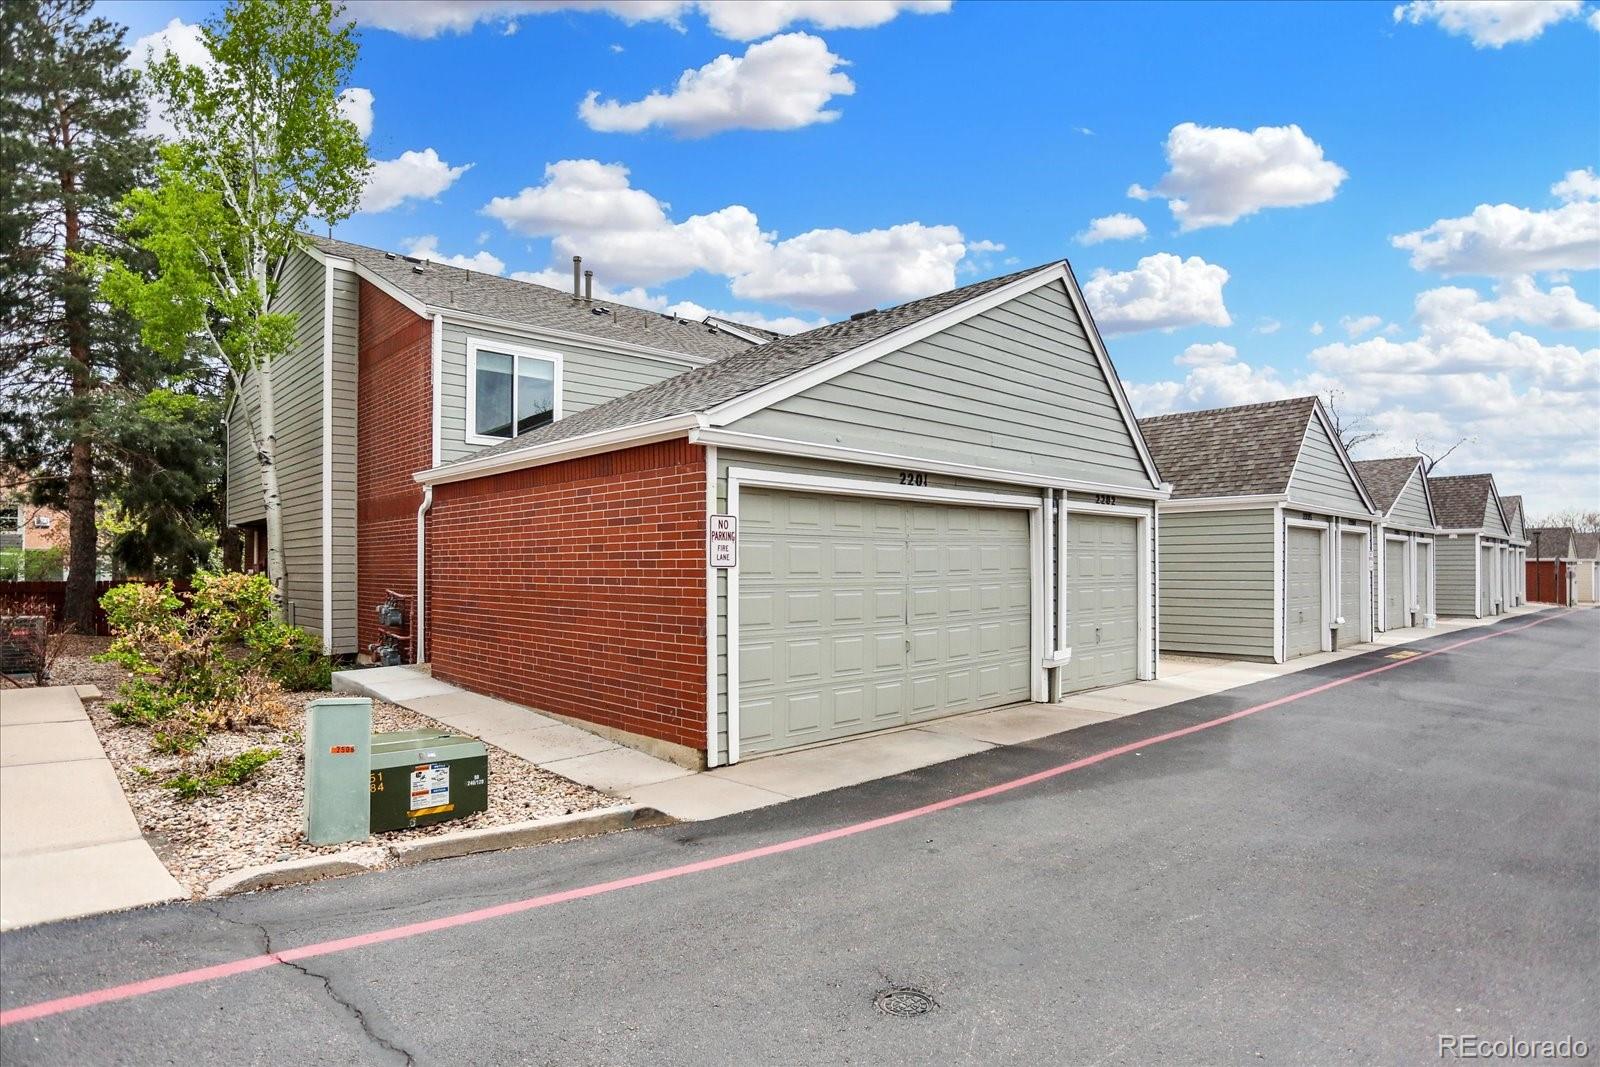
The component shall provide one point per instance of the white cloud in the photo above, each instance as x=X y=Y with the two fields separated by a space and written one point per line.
x=427 y=247
x=780 y=84
x=1490 y=23
x=175 y=38
x=1594 y=20
x=1517 y=299
x=1207 y=355
x=1505 y=239
x=1355 y=326
x=1118 y=227
x=1578 y=184
x=784 y=324
x=740 y=20
x=1316 y=329
x=591 y=209
x=1269 y=326
x=1527 y=406
x=413 y=176
x=1163 y=292
x=1216 y=176
x=355 y=104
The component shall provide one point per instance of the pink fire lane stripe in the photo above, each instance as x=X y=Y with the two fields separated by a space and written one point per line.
x=77 y=1001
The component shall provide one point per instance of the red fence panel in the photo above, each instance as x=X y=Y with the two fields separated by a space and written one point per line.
x=50 y=599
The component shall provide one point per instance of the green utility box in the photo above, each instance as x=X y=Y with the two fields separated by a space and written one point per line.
x=420 y=777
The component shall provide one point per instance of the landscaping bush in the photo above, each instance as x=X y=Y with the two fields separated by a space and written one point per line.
x=221 y=773
x=221 y=661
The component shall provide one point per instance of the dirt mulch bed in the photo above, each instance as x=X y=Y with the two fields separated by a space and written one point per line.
x=259 y=820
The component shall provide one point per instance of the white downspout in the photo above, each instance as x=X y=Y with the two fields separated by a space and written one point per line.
x=435 y=370
x=421 y=610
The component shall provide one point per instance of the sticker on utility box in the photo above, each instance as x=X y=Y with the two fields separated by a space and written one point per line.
x=430 y=789
x=722 y=539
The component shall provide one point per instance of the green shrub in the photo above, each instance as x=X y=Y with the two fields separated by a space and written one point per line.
x=221 y=774
x=292 y=656
x=142 y=702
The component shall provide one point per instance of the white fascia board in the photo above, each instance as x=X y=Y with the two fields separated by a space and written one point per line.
x=1344 y=457
x=549 y=334
x=1226 y=503
x=1433 y=516
x=864 y=457
x=733 y=327
x=1098 y=345
x=757 y=399
x=571 y=448
x=383 y=285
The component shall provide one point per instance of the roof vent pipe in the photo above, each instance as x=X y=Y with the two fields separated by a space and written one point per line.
x=588 y=287
x=577 y=268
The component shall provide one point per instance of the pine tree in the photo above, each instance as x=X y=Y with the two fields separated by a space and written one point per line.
x=71 y=149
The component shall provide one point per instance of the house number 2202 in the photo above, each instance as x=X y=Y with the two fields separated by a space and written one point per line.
x=913 y=478
x=1102 y=498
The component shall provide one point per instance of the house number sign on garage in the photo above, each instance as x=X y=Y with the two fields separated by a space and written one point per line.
x=722 y=538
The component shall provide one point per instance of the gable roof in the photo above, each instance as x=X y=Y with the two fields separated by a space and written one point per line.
x=1512 y=506
x=1460 y=501
x=1588 y=544
x=1386 y=479
x=1249 y=450
x=448 y=288
x=701 y=388
x=1553 y=542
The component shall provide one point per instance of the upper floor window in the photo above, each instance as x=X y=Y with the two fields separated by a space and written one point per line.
x=510 y=390
x=10 y=518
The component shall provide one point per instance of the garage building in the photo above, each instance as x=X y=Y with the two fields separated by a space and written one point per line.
x=1586 y=544
x=1517 y=558
x=1403 y=545
x=1474 y=540
x=930 y=509
x=1266 y=540
x=1553 y=570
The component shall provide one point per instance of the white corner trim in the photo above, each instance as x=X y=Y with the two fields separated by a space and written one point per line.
x=1279 y=586
x=751 y=442
x=712 y=750
x=475 y=345
x=327 y=458
x=435 y=376
x=588 y=444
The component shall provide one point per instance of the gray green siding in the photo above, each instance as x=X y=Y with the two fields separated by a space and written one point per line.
x=1016 y=388
x=1493 y=524
x=1456 y=589
x=1321 y=479
x=1410 y=509
x=343 y=483
x=589 y=376
x=1217 y=585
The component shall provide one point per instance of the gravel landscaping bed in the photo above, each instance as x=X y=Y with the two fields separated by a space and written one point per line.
x=259 y=821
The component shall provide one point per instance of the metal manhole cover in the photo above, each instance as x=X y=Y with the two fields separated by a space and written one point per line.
x=903 y=1003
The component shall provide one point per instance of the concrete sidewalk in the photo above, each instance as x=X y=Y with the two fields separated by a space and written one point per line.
x=69 y=843
x=603 y=764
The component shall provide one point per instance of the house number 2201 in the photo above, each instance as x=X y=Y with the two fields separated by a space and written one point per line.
x=913 y=478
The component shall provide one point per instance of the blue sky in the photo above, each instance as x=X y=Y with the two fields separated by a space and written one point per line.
x=1299 y=141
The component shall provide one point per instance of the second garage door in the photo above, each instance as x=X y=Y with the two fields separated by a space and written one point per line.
x=859 y=613
x=1394 y=586
x=1303 y=620
x=1102 y=601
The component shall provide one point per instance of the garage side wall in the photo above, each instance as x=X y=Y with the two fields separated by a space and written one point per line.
x=1456 y=588
x=579 y=589
x=1217 y=583
x=393 y=427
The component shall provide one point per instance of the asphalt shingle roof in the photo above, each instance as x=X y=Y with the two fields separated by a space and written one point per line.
x=1240 y=451
x=1385 y=479
x=535 y=305
x=733 y=376
x=1588 y=544
x=1550 y=542
x=1513 y=509
x=1460 y=501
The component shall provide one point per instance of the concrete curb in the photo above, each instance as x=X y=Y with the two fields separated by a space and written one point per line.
x=295 y=872
x=445 y=846
x=516 y=835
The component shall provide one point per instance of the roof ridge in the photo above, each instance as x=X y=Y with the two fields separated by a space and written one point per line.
x=1283 y=402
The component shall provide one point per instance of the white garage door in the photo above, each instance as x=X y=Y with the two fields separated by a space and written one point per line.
x=1102 y=601
x=857 y=614
x=1303 y=621
x=1394 y=586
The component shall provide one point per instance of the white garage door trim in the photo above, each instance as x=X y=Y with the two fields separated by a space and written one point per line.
x=1363 y=621
x=1143 y=538
x=1329 y=591
x=1407 y=580
x=749 y=477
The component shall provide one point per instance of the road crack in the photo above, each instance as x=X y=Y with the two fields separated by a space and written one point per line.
x=349 y=1007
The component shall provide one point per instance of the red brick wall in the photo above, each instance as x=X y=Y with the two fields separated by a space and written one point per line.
x=578 y=588
x=394 y=435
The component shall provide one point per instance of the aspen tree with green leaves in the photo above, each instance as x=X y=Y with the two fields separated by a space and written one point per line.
x=260 y=150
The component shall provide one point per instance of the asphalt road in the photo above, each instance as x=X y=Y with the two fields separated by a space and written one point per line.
x=1340 y=878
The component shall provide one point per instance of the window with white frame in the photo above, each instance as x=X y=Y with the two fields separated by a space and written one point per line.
x=510 y=390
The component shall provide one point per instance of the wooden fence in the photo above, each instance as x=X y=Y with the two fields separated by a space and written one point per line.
x=50 y=599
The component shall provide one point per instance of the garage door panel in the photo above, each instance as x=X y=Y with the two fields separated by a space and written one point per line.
x=1394 y=585
x=1101 y=601
x=1303 y=613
